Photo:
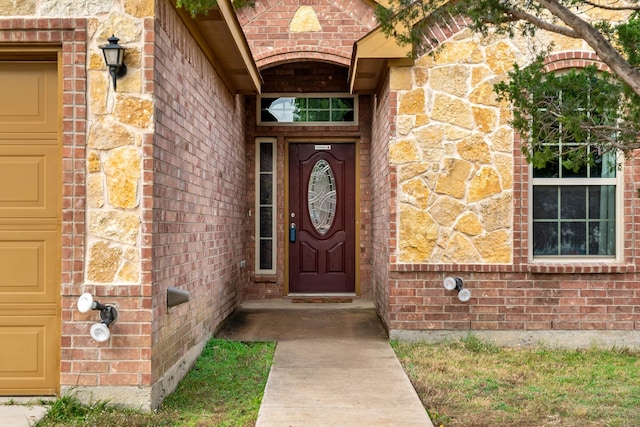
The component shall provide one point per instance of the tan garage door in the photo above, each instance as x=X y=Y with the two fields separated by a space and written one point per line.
x=30 y=218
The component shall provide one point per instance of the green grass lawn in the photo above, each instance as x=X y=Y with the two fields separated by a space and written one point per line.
x=461 y=383
x=473 y=383
x=224 y=388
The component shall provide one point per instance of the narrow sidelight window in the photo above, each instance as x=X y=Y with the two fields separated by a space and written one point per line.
x=265 y=205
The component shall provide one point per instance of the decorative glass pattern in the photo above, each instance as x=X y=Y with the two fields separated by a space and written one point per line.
x=321 y=196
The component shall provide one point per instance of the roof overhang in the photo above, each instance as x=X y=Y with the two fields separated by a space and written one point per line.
x=372 y=56
x=220 y=36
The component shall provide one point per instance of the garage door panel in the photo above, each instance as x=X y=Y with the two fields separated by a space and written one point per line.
x=25 y=365
x=30 y=228
x=32 y=172
x=29 y=98
x=28 y=266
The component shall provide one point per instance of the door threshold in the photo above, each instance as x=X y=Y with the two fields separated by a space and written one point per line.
x=287 y=303
x=322 y=298
x=322 y=294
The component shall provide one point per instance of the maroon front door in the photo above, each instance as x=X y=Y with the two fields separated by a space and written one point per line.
x=321 y=218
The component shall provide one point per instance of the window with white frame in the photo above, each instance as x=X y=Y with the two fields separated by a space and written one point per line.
x=265 y=206
x=321 y=108
x=574 y=211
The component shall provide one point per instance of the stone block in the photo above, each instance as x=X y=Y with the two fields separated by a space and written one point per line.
x=17 y=7
x=412 y=170
x=412 y=102
x=105 y=134
x=401 y=78
x=104 y=261
x=305 y=20
x=418 y=235
x=502 y=139
x=460 y=250
x=494 y=247
x=486 y=119
x=140 y=8
x=484 y=184
x=127 y=28
x=467 y=52
x=451 y=79
x=98 y=90
x=445 y=211
x=448 y=109
x=95 y=190
x=404 y=124
x=134 y=111
x=474 y=149
x=497 y=212
x=114 y=225
x=416 y=193
x=403 y=151
x=93 y=162
x=500 y=57
x=504 y=164
x=452 y=179
x=469 y=224
x=483 y=94
x=123 y=170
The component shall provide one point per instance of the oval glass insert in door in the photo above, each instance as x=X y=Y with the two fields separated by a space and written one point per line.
x=321 y=197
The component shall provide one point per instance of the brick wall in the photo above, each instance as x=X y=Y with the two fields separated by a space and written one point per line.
x=267 y=28
x=199 y=179
x=383 y=125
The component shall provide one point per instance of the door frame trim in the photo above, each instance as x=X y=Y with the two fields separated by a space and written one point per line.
x=285 y=217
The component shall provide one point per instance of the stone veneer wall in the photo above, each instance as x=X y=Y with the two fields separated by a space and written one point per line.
x=200 y=209
x=462 y=206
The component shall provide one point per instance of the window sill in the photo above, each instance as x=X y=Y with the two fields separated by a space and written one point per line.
x=579 y=267
x=265 y=278
x=541 y=267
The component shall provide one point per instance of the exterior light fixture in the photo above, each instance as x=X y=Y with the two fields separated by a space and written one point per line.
x=451 y=283
x=176 y=297
x=114 y=58
x=108 y=314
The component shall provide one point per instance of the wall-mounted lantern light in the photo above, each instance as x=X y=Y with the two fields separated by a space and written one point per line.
x=114 y=58
x=108 y=314
x=451 y=283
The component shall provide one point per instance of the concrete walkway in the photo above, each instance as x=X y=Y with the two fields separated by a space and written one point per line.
x=20 y=412
x=333 y=366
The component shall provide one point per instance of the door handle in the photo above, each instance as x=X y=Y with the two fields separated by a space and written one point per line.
x=292 y=232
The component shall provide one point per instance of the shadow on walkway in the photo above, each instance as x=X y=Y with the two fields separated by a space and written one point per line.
x=283 y=320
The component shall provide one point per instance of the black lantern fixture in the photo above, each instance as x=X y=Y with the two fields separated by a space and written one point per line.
x=114 y=58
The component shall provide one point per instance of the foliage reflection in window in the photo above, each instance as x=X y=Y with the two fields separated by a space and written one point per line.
x=574 y=186
x=291 y=109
